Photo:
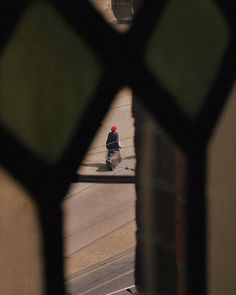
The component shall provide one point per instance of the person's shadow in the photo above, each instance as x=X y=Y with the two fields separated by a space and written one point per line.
x=101 y=167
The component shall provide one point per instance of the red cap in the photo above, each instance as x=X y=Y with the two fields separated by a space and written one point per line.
x=113 y=128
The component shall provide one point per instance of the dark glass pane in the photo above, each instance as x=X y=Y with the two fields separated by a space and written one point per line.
x=161 y=209
x=48 y=75
x=186 y=50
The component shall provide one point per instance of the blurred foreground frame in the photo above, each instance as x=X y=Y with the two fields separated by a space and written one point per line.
x=48 y=184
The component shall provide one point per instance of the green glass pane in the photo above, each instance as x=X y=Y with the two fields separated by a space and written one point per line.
x=47 y=76
x=186 y=50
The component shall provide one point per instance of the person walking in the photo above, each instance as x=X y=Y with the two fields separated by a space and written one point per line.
x=113 y=148
x=113 y=142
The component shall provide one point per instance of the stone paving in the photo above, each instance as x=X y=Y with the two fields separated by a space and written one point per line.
x=102 y=250
x=119 y=115
x=122 y=239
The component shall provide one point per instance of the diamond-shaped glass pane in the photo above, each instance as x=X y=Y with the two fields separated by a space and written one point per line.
x=186 y=50
x=47 y=76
